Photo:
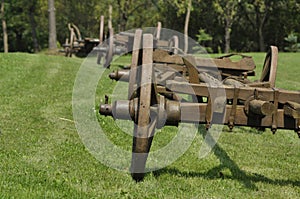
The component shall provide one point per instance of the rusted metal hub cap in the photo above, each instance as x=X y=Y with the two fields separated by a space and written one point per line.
x=120 y=75
x=105 y=109
x=120 y=109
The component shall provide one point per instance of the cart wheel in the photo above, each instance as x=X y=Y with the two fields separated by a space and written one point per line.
x=135 y=62
x=101 y=38
x=72 y=40
x=144 y=127
x=158 y=31
x=173 y=44
x=270 y=66
x=109 y=52
x=67 y=50
x=99 y=57
x=101 y=34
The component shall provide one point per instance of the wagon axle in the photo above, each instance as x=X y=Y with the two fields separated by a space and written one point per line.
x=167 y=112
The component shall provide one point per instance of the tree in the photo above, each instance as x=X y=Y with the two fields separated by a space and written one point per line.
x=186 y=26
x=4 y=27
x=227 y=10
x=253 y=24
x=184 y=7
x=257 y=13
x=32 y=12
x=137 y=13
x=52 y=26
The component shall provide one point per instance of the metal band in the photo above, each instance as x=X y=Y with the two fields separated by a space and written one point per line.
x=208 y=114
x=233 y=109
x=275 y=117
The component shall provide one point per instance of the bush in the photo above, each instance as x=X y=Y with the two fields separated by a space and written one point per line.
x=292 y=43
x=203 y=38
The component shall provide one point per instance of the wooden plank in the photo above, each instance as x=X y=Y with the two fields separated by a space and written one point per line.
x=162 y=56
x=241 y=118
x=245 y=64
x=259 y=84
x=292 y=109
x=192 y=71
x=170 y=67
x=289 y=111
x=162 y=43
x=245 y=93
x=163 y=77
x=121 y=38
x=294 y=105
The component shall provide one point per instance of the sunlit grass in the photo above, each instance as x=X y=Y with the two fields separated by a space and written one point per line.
x=42 y=156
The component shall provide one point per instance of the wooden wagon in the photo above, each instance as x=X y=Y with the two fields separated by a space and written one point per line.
x=216 y=86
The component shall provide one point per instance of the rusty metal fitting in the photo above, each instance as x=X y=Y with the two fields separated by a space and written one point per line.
x=173 y=112
x=119 y=50
x=273 y=129
x=259 y=106
x=105 y=109
x=167 y=111
x=100 y=49
x=230 y=126
x=161 y=113
x=120 y=75
x=127 y=67
x=120 y=109
x=207 y=125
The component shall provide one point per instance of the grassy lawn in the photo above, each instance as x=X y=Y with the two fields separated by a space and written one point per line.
x=42 y=155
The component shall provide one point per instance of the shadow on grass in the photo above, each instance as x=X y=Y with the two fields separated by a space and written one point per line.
x=226 y=162
x=243 y=129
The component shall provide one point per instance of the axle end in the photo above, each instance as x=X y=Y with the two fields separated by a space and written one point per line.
x=106 y=110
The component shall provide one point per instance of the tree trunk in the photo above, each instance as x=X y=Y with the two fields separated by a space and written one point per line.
x=4 y=27
x=52 y=26
x=110 y=17
x=124 y=16
x=186 y=27
x=261 y=39
x=33 y=28
x=19 y=45
x=260 y=31
x=261 y=18
x=227 y=35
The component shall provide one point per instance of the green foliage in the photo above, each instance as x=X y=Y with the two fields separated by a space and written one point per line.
x=226 y=8
x=179 y=6
x=203 y=38
x=244 y=16
x=293 y=45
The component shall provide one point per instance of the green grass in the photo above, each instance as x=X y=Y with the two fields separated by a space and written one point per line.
x=42 y=156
